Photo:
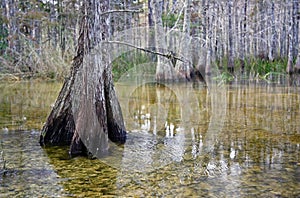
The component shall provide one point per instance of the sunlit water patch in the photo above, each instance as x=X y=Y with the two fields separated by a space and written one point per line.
x=254 y=154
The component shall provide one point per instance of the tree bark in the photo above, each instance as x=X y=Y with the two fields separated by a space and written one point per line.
x=243 y=30
x=208 y=42
x=297 y=65
x=295 y=26
x=184 y=69
x=164 y=70
x=230 y=65
x=283 y=31
x=272 y=33
x=82 y=117
x=289 y=67
x=201 y=66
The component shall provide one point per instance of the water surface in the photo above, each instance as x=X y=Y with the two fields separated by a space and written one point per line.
x=184 y=140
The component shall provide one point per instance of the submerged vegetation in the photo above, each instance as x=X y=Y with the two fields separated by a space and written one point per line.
x=255 y=154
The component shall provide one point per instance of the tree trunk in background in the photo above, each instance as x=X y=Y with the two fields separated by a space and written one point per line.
x=184 y=69
x=246 y=28
x=53 y=19
x=243 y=30
x=283 y=35
x=289 y=67
x=230 y=65
x=272 y=32
x=261 y=30
x=217 y=41
x=295 y=32
x=187 y=17
x=77 y=105
x=202 y=65
x=164 y=70
x=222 y=30
x=13 y=41
x=236 y=30
x=295 y=26
x=208 y=42
x=62 y=27
x=297 y=65
x=150 y=14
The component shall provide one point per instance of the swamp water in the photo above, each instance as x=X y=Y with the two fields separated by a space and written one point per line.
x=242 y=141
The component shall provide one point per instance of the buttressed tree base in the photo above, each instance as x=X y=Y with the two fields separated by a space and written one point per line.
x=83 y=118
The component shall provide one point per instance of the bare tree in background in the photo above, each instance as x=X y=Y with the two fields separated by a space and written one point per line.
x=164 y=70
x=230 y=65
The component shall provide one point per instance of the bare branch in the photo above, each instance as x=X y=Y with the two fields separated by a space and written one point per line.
x=170 y=55
x=114 y=11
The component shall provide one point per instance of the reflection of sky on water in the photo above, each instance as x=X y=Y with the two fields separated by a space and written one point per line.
x=169 y=114
x=256 y=153
x=246 y=145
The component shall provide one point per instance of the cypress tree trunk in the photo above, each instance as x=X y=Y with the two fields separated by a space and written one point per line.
x=201 y=66
x=184 y=69
x=289 y=67
x=164 y=70
x=297 y=64
x=87 y=111
x=272 y=36
x=230 y=65
x=209 y=42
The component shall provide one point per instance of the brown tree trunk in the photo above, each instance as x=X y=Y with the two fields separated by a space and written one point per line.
x=87 y=111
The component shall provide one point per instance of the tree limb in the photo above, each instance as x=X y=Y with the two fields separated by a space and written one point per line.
x=113 y=11
x=170 y=55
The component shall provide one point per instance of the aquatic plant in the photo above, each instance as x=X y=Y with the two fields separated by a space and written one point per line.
x=224 y=77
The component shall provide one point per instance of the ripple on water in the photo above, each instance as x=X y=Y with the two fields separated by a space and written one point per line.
x=256 y=154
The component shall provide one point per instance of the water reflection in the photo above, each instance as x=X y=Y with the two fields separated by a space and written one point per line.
x=158 y=118
x=258 y=140
x=152 y=107
x=25 y=105
x=175 y=146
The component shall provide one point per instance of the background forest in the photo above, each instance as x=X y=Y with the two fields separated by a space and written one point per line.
x=258 y=38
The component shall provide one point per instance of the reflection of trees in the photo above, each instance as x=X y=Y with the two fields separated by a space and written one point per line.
x=256 y=148
x=258 y=142
x=268 y=120
x=25 y=105
x=154 y=107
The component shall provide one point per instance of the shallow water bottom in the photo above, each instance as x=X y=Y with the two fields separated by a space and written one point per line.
x=241 y=142
x=34 y=172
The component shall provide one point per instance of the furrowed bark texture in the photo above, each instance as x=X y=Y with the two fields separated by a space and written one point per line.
x=81 y=114
x=60 y=126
